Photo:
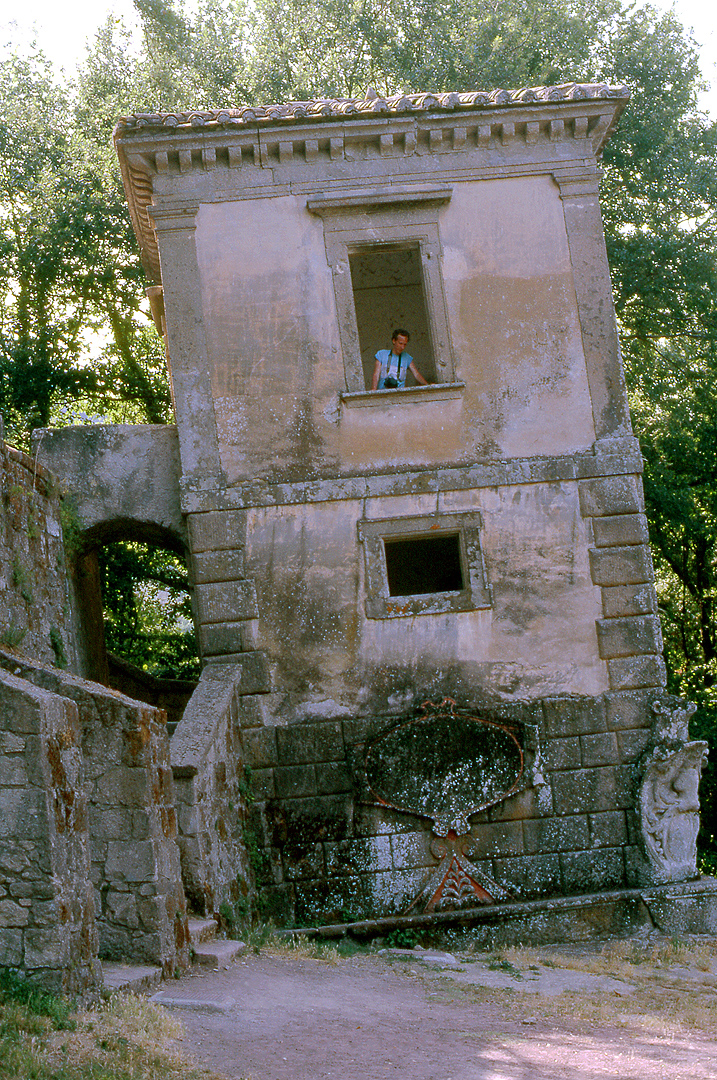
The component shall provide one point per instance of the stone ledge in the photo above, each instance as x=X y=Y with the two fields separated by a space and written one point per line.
x=682 y=908
x=362 y=399
x=622 y=460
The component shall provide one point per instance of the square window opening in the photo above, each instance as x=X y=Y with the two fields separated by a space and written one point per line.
x=424 y=564
x=388 y=291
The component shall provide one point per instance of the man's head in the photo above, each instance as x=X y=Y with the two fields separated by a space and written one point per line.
x=399 y=341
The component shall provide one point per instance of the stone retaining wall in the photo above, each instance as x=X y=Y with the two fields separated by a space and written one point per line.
x=212 y=787
x=135 y=866
x=47 y=925
x=35 y=597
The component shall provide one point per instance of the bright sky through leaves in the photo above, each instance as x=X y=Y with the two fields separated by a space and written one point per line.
x=62 y=30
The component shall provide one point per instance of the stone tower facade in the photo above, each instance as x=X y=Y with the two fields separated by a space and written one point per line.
x=431 y=608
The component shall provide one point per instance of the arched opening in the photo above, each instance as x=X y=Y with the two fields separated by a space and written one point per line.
x=135 y=606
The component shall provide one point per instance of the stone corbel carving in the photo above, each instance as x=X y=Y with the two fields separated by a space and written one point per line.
x=669 y=805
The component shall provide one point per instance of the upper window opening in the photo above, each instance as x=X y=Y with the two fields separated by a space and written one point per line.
x=388 y=291
x=424 y=564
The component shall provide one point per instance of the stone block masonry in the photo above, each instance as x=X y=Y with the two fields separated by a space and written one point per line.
x=211 y=785
x=36 y=608
x=328 y=855
x=47 y=918
x=629 y=635
x=135 y=866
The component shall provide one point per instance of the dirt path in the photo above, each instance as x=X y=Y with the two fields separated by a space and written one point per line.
x=282 y=1016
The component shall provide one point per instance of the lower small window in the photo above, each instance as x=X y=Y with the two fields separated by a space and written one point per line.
x=424 y=565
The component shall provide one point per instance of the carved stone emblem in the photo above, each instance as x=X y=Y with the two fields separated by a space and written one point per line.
x=456 y=882
x=669 y=801
x=444 y=766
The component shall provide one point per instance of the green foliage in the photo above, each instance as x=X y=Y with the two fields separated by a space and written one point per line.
x=403 y=938
x=19 y=990
x=58 y=648
x=148 y=617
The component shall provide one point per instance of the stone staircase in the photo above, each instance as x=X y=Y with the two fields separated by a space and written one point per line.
x=208 y=953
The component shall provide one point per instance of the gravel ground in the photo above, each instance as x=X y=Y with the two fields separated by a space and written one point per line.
x=642 y=1009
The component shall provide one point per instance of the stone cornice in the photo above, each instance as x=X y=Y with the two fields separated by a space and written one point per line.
x=328 y=132
x=349 y=108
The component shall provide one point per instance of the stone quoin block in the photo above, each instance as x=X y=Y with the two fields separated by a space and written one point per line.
x=222 y=639
x=294 y=781
x=608 y=829
x=556 y=834
x=332 y=777
x=620 y=600
x=262 y=784
x=599 y=749
x=296 y=745
x=211 y=566
x=621 y=565
x=411 y=850
x=300 y=863
x=632 y=744
x=591 y=790
x=620 y=530
x=260 y=750
x=610 y=495
x=367 y=856
x=591 y=871
x=497 y=838
x=640 y=634
x=571 y=716
x=562 y=753
x=629 y=709
x=227 y=601
x=634 y=672
x=528 y=875
x=217 y=530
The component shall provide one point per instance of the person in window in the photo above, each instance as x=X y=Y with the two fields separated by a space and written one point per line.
x=392 y=365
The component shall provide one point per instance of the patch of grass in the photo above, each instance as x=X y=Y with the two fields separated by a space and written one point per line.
x=305 y=948
x=12 y=635
x=16 y=990
x=123 y=1038
x=58 y=648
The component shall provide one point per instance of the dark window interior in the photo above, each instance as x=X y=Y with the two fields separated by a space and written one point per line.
x=387 y=283
x=426 y=564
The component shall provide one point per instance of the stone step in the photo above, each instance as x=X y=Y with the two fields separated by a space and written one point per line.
x=201 y=930
x=217 y=954
x=130 y=978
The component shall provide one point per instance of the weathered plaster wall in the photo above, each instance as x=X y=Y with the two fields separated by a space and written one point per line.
x=514 y=319
x=274 y=349
x=36 y=608
x=272 y=336
x=47 y=924
x=538 y=637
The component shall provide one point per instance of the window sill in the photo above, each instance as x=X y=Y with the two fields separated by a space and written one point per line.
x=367 y=399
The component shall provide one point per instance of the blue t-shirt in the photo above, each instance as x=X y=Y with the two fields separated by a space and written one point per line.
x=394 y=366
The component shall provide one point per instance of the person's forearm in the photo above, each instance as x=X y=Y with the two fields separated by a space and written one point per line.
x=376 y=373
